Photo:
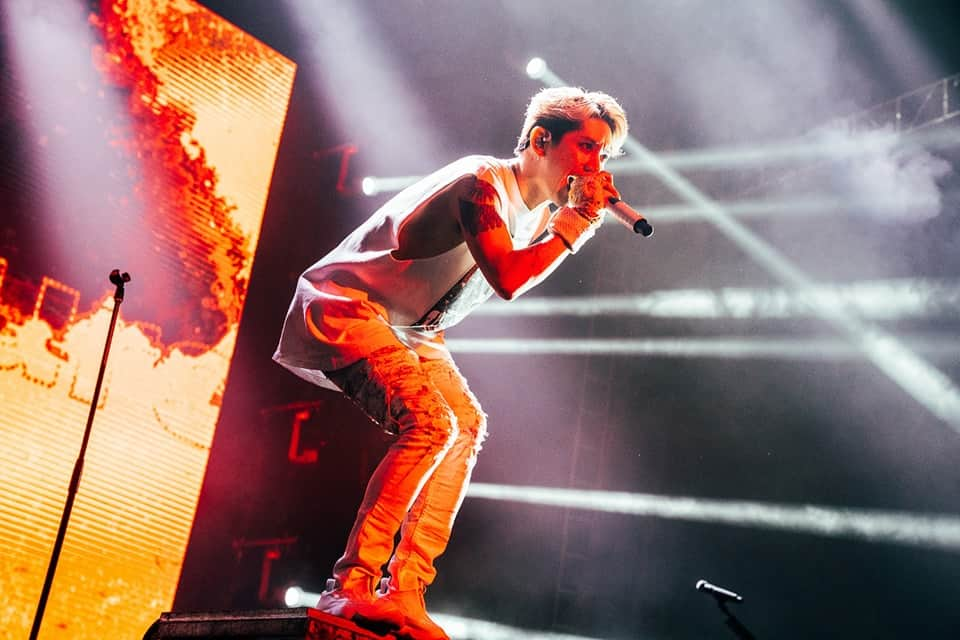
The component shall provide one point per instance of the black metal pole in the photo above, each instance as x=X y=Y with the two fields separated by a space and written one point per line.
x=119 y=280
x=734 y=624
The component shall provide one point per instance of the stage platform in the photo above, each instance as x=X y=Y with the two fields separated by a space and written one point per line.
x=269 y=624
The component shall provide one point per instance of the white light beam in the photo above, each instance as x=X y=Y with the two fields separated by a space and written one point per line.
x=924 y=383
x=810 y=350
x=892 y=299
x=916 y=529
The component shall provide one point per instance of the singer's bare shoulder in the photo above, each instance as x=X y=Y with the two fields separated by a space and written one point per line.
x=435 y=228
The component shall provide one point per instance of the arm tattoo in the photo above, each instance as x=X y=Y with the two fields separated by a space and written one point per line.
x=478 y=210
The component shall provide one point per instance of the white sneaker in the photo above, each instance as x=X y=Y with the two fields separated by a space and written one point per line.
x=360 y=606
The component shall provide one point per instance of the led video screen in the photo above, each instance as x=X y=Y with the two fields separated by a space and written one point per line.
x=142 y=136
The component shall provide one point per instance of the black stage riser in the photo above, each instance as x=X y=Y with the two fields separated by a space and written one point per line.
x=268 y=624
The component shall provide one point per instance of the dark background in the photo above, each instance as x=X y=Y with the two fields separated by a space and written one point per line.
x=413 y=85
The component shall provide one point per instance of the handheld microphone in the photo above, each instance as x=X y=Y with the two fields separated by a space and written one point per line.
x=722 y=595
x=630 y=218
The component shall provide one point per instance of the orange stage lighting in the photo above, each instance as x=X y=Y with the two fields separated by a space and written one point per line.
x=207 y=104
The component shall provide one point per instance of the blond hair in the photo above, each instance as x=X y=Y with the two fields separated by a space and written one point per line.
x=560 y=110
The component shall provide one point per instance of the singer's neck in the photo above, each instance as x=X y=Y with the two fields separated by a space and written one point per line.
x=531 y=190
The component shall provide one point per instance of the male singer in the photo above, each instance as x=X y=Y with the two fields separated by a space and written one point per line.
x=369 y=320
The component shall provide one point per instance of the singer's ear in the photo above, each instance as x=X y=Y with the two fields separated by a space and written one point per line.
x=539 y=137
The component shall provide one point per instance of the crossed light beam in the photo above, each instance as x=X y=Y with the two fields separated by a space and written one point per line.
x=919 y=379
x=798 y=150
x=835 y=141
x=923 y=382
x=880 y=300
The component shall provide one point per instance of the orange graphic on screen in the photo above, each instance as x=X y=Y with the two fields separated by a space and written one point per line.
x=191 y=161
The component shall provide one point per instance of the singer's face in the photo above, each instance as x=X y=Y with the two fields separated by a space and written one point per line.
x=579 y=152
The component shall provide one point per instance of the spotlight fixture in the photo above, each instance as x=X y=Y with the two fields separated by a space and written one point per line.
x=536 y=68
x=291 y=597
x=295 y=597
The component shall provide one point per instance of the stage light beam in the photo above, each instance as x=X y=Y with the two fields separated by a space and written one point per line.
x=727 y=348
x=841 y=140
x=363 y=83
x=892 y=299
x=924 y=383
x=935 y=531
x=799 y=150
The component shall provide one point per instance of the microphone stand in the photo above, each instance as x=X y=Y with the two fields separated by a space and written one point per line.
x=119 y=280
x=734 y=624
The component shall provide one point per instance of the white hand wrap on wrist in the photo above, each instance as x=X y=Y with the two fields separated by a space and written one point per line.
x=573 y=227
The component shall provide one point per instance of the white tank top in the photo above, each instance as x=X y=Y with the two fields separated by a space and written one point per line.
x=359 y=297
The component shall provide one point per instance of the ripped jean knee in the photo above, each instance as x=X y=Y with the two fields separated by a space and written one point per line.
x=471 y=419
x=395 y=391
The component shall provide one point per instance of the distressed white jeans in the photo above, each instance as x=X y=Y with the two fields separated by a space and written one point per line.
x=418 y=487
